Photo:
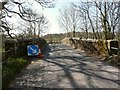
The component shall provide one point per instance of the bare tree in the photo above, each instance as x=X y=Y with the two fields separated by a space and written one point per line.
x=43 y=25
x=4 y=26
x=88 y=19
x=74 y=19
x=113 y=16
x=21 y=12
x=84 y=19
x=35 y=28
x=20 y=5
x=69 y=19
x=105 y=17
x=64 y=20
x=109 y=17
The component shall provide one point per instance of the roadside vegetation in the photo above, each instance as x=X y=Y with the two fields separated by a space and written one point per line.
x=11 y=68
x=15 y=57
x=30 y=24
x=83 y=20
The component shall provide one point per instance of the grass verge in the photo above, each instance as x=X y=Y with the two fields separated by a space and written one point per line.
x=11 y=68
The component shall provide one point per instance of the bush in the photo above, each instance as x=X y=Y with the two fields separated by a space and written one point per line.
x=102 y=48
x=11 y=68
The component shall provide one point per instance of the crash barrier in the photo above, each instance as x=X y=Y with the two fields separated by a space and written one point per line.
x=102 y=47
x=18 y=47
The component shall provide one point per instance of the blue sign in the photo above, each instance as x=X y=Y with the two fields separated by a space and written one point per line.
x=33 y=50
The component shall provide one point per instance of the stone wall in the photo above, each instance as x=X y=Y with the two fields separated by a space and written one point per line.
x=18 y=47
x=101 y=47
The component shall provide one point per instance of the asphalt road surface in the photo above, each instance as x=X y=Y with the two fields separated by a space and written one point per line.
x=64 y=67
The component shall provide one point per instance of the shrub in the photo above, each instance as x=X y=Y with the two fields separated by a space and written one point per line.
x=11 y=68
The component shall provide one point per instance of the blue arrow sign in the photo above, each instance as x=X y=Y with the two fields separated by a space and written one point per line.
x=33 y=50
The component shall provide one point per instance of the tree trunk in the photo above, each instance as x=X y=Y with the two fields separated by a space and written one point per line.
x=91 y=24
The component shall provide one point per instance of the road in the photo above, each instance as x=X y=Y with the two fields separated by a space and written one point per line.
x=65 y=67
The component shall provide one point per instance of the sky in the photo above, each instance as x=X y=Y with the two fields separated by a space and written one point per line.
x=53 y=13
x=50 y=13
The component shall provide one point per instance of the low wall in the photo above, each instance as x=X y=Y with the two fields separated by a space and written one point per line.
x=66 y=41
x=100 y=47
x=18 y=47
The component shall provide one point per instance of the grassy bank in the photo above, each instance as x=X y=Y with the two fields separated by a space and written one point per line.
x=11 y=68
